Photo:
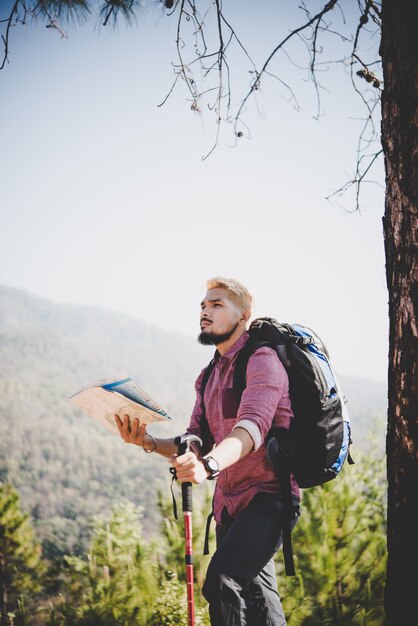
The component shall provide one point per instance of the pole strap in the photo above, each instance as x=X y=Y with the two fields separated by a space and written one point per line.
x=173 y=480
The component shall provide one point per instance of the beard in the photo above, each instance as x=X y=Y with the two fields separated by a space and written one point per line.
x=214 y=339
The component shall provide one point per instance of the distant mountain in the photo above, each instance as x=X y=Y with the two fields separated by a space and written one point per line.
x=46 y=343
x=367 y=404
x=66 y=467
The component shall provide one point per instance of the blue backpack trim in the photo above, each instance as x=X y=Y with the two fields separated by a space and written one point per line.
x=336 y=467
x=321 y=358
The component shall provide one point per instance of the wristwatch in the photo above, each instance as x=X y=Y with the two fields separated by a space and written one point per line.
x=211 y=466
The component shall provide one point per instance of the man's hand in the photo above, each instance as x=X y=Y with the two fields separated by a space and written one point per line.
x=189 y=469
x=137 y=433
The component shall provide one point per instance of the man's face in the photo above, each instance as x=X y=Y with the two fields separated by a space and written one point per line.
x=219 y=317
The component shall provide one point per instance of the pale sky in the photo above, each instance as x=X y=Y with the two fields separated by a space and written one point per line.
x=105 y=199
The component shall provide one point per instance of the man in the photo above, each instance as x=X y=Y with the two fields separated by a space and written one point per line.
x=240 y=584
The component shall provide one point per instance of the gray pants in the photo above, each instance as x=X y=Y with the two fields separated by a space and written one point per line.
x=241 y=585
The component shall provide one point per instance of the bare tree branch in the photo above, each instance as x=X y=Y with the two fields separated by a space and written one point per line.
x=10 y=21
x=204 y=37
x=256 y=82
x=358 y=179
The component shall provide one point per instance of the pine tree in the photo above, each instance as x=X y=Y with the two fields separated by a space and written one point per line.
x=21 y=566
x=117 y=582
x=340 y=549
x=172 y=557
x=173 y=532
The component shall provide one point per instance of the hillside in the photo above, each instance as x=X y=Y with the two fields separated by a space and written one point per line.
x=66 y=467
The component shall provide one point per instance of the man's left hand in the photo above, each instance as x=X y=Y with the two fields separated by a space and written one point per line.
x=189 y=469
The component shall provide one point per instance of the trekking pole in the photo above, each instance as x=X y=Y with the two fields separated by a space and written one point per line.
x=183 y=442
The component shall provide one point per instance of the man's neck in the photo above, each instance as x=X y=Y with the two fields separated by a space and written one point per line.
x=224 y=347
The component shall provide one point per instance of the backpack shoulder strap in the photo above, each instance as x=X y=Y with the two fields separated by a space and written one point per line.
x=205 y=379
x=204 y=425
x=240 y=371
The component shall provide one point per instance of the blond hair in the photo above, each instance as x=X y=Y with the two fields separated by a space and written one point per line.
x=239 y=294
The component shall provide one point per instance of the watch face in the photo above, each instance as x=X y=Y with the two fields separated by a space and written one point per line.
x=211 y=464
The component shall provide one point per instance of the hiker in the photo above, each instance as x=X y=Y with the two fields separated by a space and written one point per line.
x=240 y=584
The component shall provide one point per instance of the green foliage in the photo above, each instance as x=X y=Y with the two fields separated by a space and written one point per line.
x=62 y=463
x=340 y=545
x=122 y=582
x=21 y=567
x=172 y=531
x=79 y=10
x=117 y=581
x=170 y=608
x=66 y=10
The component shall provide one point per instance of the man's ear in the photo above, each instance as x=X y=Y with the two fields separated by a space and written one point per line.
x=245 y=316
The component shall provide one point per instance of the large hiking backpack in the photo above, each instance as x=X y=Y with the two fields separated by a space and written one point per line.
x=319 y=438
x=317 y=444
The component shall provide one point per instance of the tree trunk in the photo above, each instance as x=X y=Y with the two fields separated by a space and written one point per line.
x=399 y=49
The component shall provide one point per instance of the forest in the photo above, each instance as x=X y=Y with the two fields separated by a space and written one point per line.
x=87 y=533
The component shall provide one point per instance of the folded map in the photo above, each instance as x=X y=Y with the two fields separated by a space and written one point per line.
x=120 y=396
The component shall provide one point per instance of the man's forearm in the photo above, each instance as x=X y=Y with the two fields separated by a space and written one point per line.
x=235 y=446
x=165 y=447
x=136 y=433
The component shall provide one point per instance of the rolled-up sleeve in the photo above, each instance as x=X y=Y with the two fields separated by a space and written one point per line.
x=267 y=383
x=252 y=429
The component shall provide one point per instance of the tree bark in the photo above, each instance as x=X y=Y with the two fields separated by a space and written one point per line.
x=399 y=49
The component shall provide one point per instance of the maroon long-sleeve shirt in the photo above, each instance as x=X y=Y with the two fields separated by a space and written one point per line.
x=264 y=400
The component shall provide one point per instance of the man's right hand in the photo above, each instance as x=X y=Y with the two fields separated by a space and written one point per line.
x=135 y=433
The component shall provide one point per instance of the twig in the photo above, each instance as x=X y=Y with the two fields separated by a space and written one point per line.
x=255 y=84
x=5 y=37
x=358 y=179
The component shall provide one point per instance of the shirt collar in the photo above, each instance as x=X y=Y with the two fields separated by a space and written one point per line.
x=229 y=354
